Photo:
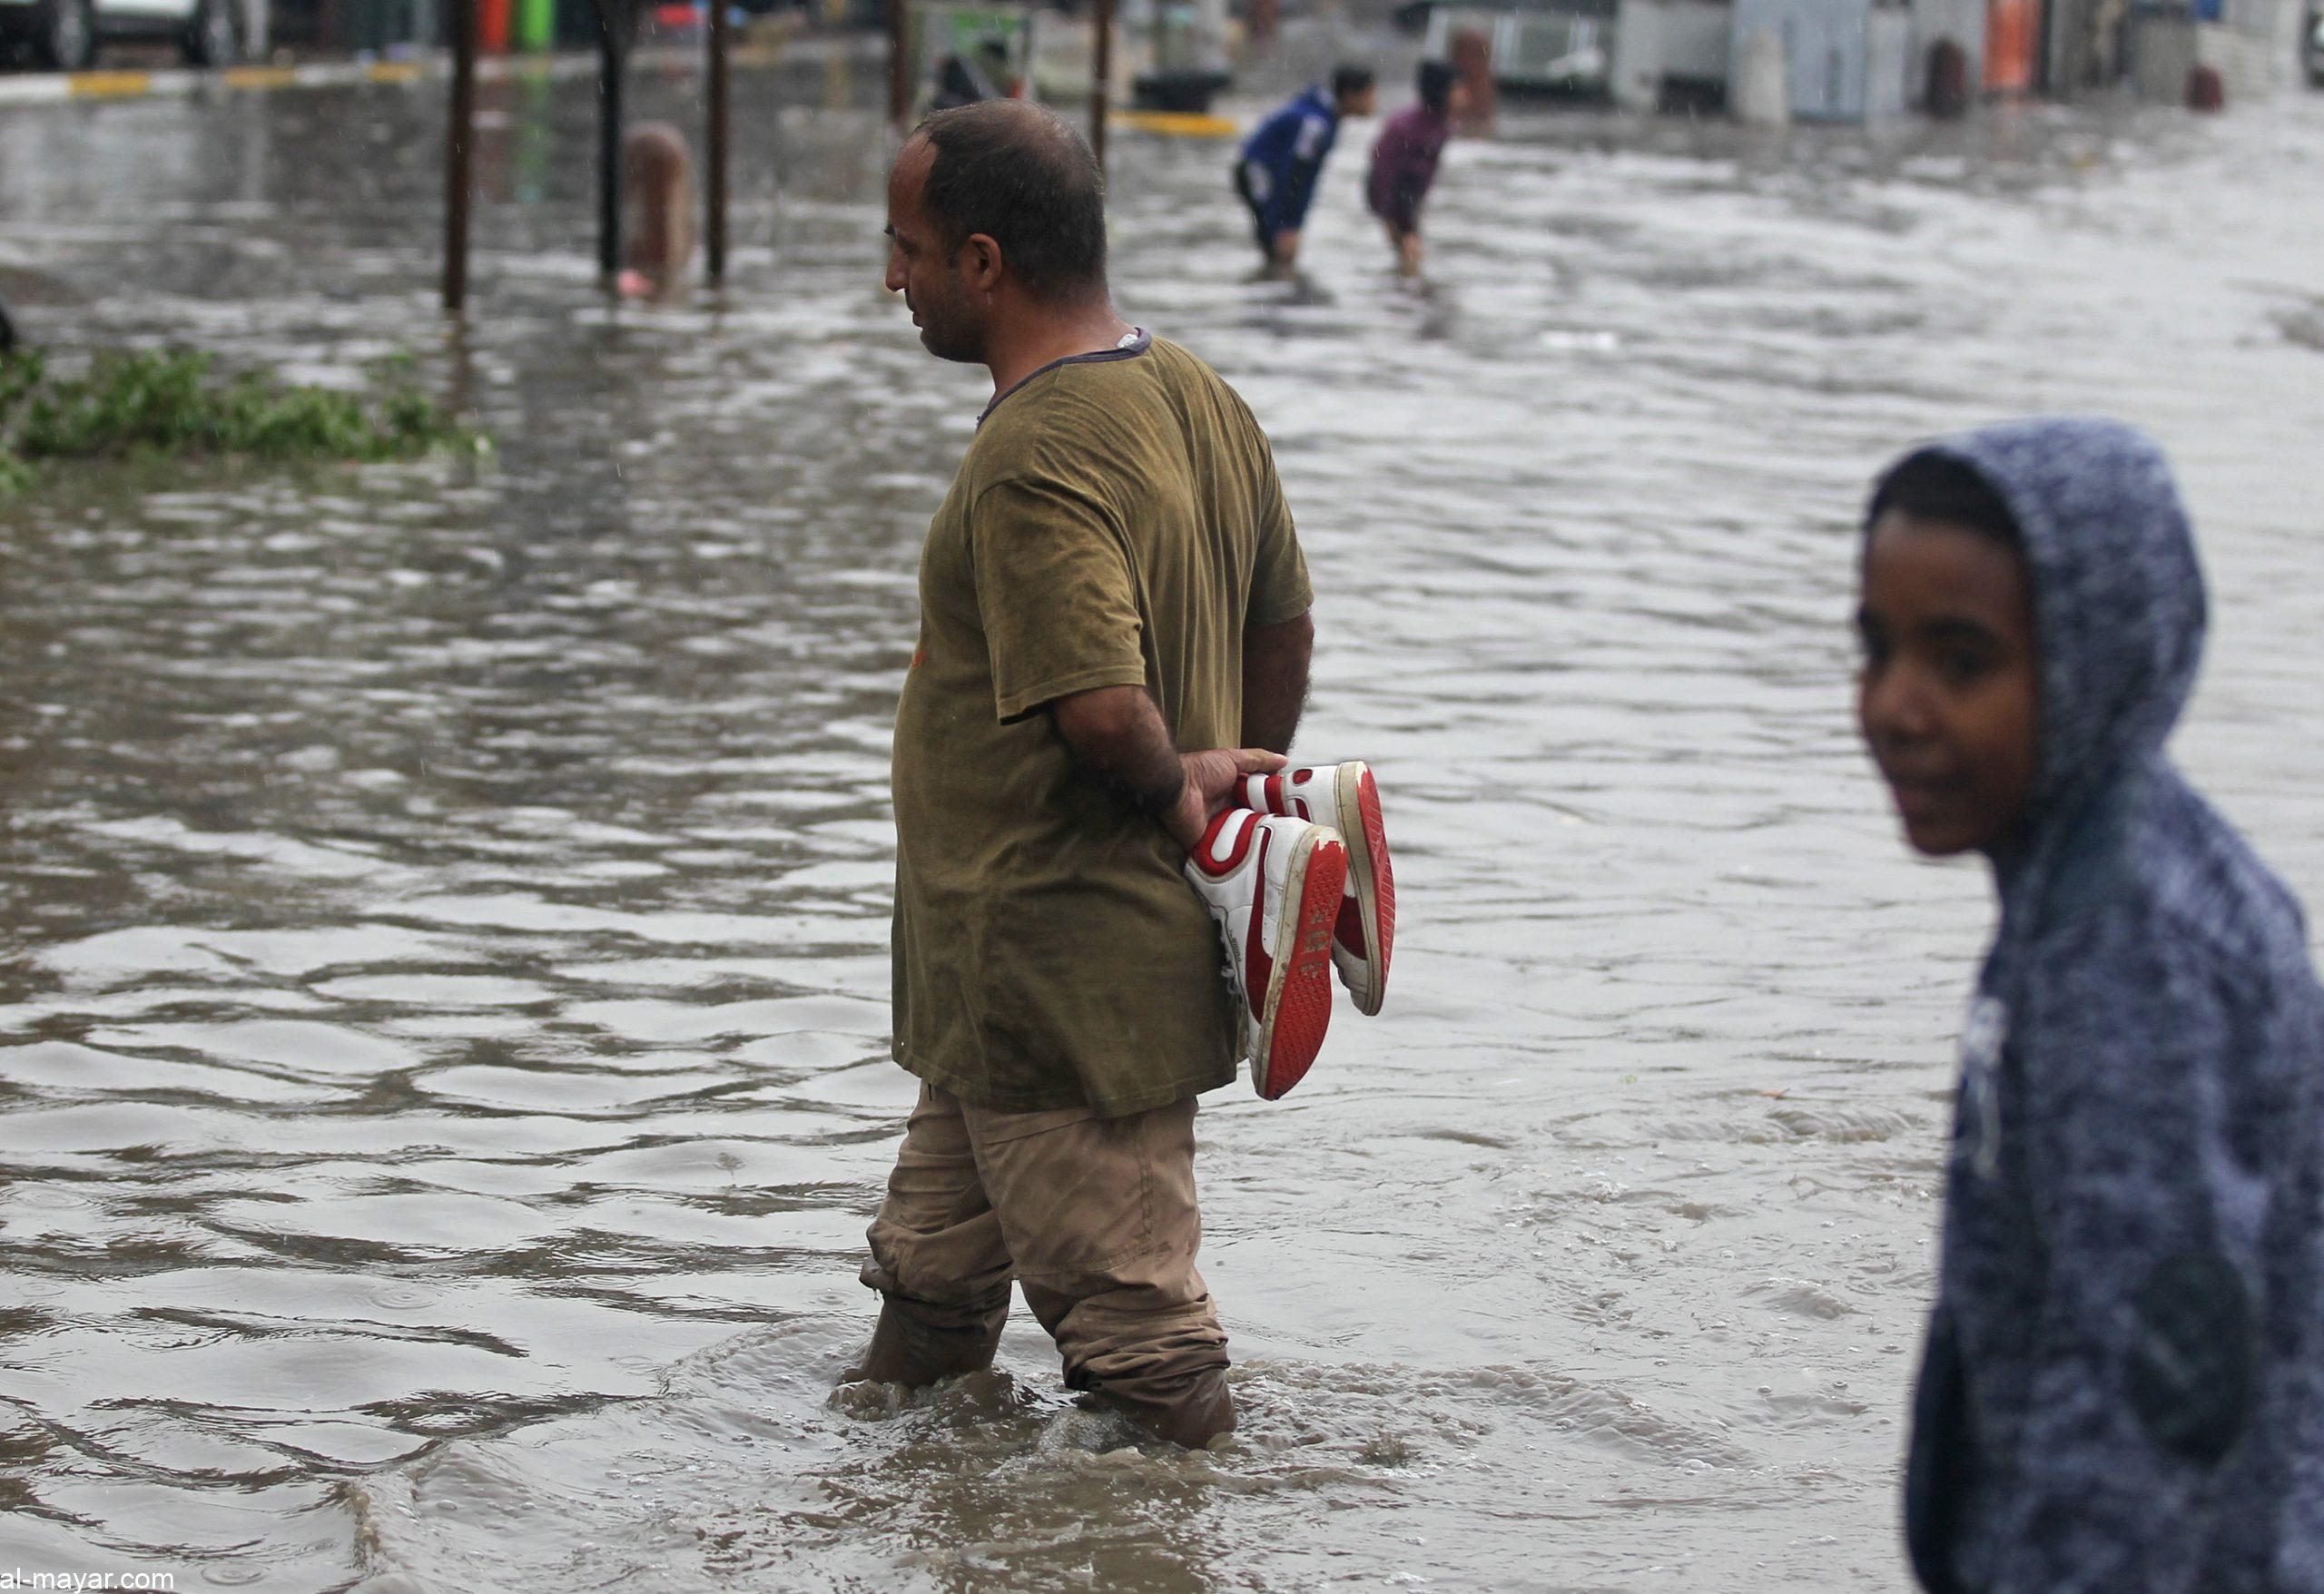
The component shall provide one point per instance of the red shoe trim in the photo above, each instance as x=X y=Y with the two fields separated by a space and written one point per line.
x=1383 y=877
x=1259 y=961
x=1348 y=928
x=1300 y=1009
x=1206 y=857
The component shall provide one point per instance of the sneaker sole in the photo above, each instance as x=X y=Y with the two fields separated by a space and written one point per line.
x=1299 y=991
x=1355 y=792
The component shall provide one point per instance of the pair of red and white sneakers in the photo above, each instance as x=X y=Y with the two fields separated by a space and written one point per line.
x=1296 y=874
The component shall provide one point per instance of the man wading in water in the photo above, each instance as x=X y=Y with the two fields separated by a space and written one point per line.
x=1113 y=576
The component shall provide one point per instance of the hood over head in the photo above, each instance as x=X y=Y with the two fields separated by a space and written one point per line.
x=2118 y=597
x=2133 y=1244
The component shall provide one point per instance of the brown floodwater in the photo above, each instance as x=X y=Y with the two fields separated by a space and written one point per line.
x=443 y=1078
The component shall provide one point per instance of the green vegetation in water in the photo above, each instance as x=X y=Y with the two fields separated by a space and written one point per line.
x=166 y=403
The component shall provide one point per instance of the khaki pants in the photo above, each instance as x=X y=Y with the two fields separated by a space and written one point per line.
x=1094 y=1218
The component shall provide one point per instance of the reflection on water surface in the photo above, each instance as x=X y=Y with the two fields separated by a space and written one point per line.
x=444 y=1079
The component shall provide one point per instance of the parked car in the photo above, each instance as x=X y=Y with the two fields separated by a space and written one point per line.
x=64 y=33
x=2311 y=45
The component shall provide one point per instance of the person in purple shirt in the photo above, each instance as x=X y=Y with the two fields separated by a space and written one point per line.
x=1404 y=160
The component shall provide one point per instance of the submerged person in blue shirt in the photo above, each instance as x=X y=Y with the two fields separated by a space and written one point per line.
x=1276 y=172
x=2123 y=1384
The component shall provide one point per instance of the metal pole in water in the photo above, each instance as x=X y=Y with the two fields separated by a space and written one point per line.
x=898 y=63
x=460 y=145
x=1101 y=76
x=612 y=17
x=713 y=232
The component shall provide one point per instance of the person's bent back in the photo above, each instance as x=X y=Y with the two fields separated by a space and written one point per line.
x=1282 y=161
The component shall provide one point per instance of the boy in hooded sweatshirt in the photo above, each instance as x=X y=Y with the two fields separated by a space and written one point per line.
x=2123 y=1388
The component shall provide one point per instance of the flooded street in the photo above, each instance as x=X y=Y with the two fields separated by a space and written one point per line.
x=443 y=1078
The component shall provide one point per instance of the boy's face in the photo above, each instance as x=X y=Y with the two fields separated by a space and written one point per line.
x=1948 y=692
x=1361 y=102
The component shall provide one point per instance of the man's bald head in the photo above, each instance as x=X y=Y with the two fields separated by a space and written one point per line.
x=1022 y=177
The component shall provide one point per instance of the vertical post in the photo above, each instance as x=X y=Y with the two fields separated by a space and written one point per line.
x=613 y=16
x=713 y=232
x=1102 y=79
x=899 y=72
x=460 y=145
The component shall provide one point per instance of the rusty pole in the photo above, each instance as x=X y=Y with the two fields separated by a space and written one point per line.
x=613 y=16
x=898 y=63
x=713 y=232
x=460 y=146
x=1102 y=77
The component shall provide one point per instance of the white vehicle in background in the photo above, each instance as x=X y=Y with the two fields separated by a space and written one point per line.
x=64 y=33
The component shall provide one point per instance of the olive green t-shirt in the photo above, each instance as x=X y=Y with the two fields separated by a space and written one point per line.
x=1117 y=523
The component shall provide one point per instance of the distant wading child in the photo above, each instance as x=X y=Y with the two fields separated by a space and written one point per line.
x=1404 y=163
x=1280 y=163
x=2123 y=1384
x=657 y=187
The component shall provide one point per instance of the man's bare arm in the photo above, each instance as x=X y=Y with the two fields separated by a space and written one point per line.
x=1116 y=735
x=1274 y=681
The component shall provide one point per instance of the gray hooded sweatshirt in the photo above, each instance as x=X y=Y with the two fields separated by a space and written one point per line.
x=2124 y=1384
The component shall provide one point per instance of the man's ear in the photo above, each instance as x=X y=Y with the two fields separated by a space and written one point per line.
x=980 y=262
